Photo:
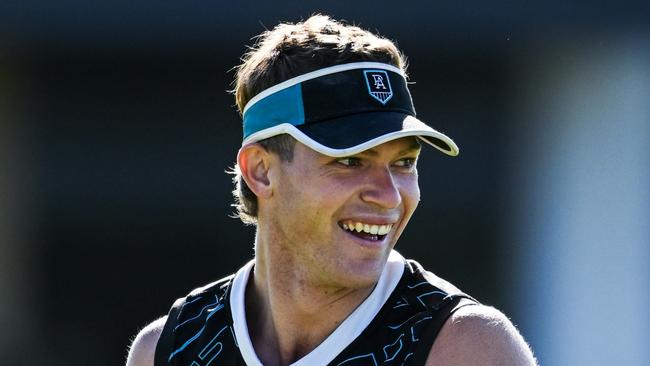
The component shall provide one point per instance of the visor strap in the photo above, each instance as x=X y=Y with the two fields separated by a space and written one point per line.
x=284 y=106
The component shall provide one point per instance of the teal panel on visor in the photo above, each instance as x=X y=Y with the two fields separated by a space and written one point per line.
x=284 y=106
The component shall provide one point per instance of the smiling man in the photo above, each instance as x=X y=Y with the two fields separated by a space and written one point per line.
x=327 y=173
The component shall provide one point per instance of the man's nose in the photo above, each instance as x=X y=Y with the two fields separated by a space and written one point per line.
x=381 y=189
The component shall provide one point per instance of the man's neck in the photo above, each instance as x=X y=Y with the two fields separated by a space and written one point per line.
x=289 y=313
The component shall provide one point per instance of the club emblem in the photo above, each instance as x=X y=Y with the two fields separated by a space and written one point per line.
x=378 y=85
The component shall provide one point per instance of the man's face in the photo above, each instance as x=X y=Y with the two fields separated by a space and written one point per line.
x=336 y=219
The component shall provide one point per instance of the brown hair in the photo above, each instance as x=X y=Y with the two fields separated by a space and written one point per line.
x=290 y=50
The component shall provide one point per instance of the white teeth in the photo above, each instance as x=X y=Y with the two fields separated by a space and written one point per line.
x=384 y=229
x=367 y=228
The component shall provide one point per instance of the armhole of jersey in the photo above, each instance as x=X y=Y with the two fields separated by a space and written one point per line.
x=166 y=339
x=429 y=336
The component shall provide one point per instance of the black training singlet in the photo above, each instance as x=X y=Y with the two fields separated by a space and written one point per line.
x=200 y=331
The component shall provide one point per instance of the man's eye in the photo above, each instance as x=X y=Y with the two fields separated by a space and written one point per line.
x=406 y=163
x=349 y=161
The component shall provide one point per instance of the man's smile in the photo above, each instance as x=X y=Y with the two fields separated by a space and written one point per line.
x=365 y=230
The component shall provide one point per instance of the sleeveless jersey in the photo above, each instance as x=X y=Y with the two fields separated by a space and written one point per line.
x=208 y=327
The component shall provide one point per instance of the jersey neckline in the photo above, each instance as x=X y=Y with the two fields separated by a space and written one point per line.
x=342 y=336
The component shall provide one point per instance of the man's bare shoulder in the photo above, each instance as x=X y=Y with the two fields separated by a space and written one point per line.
x=480 y=335
x=143 y=348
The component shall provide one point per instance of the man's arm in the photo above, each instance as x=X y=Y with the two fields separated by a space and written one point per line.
x=143 y=349
x=480 y=335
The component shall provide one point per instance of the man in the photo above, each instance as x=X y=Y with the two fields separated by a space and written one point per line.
x=327 y=172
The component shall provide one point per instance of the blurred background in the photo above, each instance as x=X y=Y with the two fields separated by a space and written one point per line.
x=116 y=129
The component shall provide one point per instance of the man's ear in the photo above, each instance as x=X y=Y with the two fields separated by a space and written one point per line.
x=254 y=161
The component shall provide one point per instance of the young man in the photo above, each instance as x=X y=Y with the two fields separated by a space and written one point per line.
x=327 y=172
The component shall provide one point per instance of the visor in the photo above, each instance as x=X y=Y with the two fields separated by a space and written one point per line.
x=341 y=110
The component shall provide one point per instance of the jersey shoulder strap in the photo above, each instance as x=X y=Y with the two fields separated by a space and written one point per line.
x=405 y=328
x=430 y=334
x=187 y=317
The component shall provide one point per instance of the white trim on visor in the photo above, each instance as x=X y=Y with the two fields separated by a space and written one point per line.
x=318 y=73
x=421 y=130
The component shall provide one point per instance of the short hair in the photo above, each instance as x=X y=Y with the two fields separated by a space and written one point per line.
x=290 y=50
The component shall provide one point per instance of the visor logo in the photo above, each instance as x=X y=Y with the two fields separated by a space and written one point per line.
x=378 y=85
